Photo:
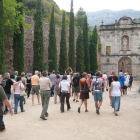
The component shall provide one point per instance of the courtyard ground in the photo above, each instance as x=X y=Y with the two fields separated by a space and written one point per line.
x=74 y=126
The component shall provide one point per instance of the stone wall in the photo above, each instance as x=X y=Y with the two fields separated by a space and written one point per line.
x=28 y=45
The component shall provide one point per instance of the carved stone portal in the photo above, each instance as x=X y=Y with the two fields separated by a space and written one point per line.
x=125 y=64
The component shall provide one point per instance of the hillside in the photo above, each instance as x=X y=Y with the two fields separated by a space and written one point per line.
x=109 y=17
x=30 y=6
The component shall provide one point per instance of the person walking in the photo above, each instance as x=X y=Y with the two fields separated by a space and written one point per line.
x=56 y=87
x=115 y=94
x=7 y=83
x=76 y=80
x=52 y=78
x=3 y=101
x=122 y=80
x=29 y=85
x=105 y=77
x=45 y=86
x=35 y=87
x=126 y=83
x=84 y=90
x=12 y=91
x=17 y=96
x=109 y=81
x=65 y=93
x=130 y=80
x=97 y=86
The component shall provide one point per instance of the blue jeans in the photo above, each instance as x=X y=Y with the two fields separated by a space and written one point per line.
x=8 y=96
x=17 y=99
x=1 y=121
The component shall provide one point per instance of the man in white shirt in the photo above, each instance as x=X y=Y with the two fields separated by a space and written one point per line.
x=45 y=86
x=105 y=77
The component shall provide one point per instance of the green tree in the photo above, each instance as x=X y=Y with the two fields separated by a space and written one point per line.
x=93 y=51
x=63 y=63
x=80 y=53
x=18 y=44
x=2 y=48
x=52 y=50
x=71 y=39
x=80 y=17
x=86 y=45
x=38 y=63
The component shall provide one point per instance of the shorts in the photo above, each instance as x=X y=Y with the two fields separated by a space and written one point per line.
x=77 y=89
x=98 y=96
x=35 y=90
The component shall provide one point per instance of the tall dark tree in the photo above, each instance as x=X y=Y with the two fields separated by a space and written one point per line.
x=18 y=44
x=86 y=45
x=38 y=62
x=80 y=17
x=52 y=50
x=63 y=63
x=93 y=51
x=80 y=53
x=2 y=48
x=71 y=39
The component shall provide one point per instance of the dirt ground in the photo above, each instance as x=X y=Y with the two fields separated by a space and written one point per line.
x=74 y=126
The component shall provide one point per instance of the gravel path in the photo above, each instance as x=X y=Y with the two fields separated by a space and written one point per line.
x=73 y=126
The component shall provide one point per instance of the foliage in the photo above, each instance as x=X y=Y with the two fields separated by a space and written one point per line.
x=63 y=63
x=2 y=48
x=72 y=39
x=52 y=50
x=93 y=51
x=38 y=63
x=18 y=43
x=86 y=45
x=30 y=6
x=80 y=53
x=99 y=47
x=12 y=16
x=80 y=17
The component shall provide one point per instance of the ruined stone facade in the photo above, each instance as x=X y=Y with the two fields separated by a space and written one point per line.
x=120 y=47
x=28 y=45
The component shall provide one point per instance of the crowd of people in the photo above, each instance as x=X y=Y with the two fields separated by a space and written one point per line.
x=61 y=86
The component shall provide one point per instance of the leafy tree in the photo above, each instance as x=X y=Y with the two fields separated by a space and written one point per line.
x=93 y=51
x=2 y=48
x=52 y=50
x=80 y=17
x=18 y=44
x=38 y=63
x=86 y=46
x=63 y=64
x=71 y=39
x=80 y=53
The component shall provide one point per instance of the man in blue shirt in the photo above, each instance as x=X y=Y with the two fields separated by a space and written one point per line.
x=121 y=80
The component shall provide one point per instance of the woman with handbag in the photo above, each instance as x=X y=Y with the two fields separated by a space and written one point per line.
x=19 y=95
x=56 y=88
x=84 y=90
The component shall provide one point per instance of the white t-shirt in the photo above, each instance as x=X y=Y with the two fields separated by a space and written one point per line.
x=64 y=84
x=116 y=89
x=68 y=76
x=105 y=76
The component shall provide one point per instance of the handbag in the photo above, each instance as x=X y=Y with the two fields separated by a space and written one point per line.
x=22 y=92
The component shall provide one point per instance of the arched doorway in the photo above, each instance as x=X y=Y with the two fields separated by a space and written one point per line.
x=125 y=64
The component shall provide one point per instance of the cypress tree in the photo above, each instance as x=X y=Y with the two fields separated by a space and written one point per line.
x=71 y=39
x=38 y=39
x=86 y=46
x=80 y=53
x=93 y=51
x=52 y=50
x=18 y=44
x=2 y=48
x=63 y=63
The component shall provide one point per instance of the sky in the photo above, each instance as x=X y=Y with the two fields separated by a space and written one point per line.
x=97 y=5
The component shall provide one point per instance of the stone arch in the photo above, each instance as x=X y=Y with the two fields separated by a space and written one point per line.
x=125 y=42
x=125 y=64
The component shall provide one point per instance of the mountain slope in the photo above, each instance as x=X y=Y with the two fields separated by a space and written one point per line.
x=109 y=17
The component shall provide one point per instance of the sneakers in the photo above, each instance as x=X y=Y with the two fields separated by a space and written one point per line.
x=97 y=111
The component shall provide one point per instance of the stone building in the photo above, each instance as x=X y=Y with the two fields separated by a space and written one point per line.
x=120 y=47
